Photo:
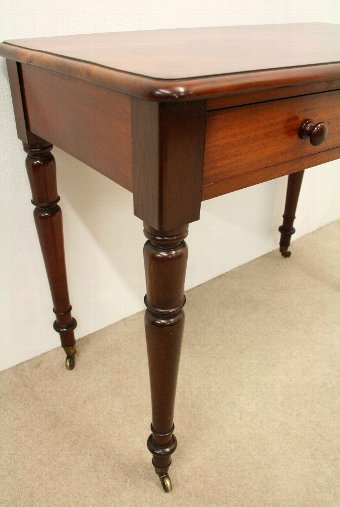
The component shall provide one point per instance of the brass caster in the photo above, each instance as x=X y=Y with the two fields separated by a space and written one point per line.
x=166 y=483
x=285 y=252
x=70 y=362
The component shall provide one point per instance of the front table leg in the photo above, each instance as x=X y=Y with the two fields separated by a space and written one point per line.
x=165 y=259
x=41 y=170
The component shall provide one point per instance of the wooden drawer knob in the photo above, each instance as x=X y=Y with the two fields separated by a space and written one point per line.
x=317 y=132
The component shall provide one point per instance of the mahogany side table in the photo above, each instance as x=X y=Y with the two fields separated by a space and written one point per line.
x=176 y=117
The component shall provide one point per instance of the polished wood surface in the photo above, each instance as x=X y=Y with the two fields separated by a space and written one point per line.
x=281 y=92
x=317 y=133
x=253 y=138
x=292 y=197
x=165 y=259
x=89 y=122
x=41 y=170
x=194 y=52
x=191 y=62
x=15 y=82
x=168 y=144
x=230 y=184
x=76 y=116
x=175 y=117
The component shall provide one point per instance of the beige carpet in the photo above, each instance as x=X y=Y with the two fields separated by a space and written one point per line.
x=257 y=416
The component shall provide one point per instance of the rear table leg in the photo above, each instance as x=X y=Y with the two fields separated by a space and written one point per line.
x=41 y=170
x=287 y=229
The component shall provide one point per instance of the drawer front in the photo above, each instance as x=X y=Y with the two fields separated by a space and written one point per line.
x=249 y=144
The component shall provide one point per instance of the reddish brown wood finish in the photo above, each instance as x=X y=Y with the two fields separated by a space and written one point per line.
x=196 y=52
x=268 y=173
x=292 y=197
x=188 y=64
x=168 y=144
x=316 y=133
x=240 y=98
x=41 y=172
x=13 y=69
x=91 y=123
x=244 y=144
x=165 y=259
x=141 y=108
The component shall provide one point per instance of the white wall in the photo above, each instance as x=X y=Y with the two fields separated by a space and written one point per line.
x=103 y=238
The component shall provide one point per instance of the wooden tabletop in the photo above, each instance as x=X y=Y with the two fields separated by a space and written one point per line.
x=191 y=62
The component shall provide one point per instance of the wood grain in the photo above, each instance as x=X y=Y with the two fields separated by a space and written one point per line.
x=165 y=261
x=14 y=75
x=41 y=170
x=292 y=197
x=239 y=98
x=243 y=144
x=142 y=108
x=230 y=184
x=89 y=122
x=190 y=63
x=168 y=144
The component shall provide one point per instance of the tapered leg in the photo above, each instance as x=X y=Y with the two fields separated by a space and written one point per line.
x=165 y=258
x=292 y=197
x=41 y=170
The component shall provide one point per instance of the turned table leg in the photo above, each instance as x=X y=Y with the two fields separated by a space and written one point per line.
x=41 y=170
x=165 y=258
x=292 y=197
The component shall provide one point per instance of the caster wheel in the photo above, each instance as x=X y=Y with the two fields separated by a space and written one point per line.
x=70 y=362
x=166 y=483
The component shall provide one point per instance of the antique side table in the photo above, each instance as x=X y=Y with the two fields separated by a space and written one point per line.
x=176 y=117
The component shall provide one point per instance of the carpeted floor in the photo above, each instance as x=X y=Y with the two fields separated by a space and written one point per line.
x=257 y=414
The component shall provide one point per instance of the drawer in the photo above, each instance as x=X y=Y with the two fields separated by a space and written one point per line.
x=249 y=144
